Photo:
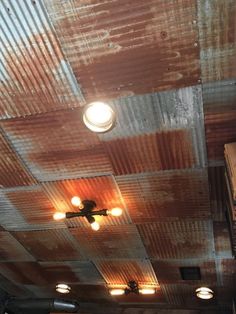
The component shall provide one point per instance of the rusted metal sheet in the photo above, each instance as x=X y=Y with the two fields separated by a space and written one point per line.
x=178 y=239
x=107 y=35
x=35 y=76
x=168 y=272
x=119 y=272
x=49 y=245
x=58 y=146
x=217 y=32
x=222 y=239
x=83 y=272
x=12 y=169
x=103 y=190
x=120 y=241
x=11 y=249
x=220 y=118
x=171 y=195
x=92 y=293
x=217 y=192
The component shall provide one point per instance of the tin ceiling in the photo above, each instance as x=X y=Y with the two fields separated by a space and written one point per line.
x=169 y=70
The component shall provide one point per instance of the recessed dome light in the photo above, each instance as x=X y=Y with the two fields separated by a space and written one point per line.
x=63 y=288
x=204 y=293
x=99 y=117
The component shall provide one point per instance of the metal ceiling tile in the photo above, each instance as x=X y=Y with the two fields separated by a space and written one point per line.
x=171 y=195
x=83 y=272
x=222 y=239
x=168 y=271
x=118 y=241
x=100 y=40
x=12 y=169
x=35 y=76
x=11 y=249
x=119 y=272
x=50 y=245
x=57 y=145
x=103 y=190
x=91 y=293
x=178 y=239
x=220 y=118
x=217 y=29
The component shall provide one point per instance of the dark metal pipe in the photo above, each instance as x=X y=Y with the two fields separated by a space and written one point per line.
x=55 y=305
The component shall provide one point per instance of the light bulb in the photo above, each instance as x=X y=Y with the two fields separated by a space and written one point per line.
x=95 y=226
x=115 y=211
x=76 y=201
x=147 y=291
x=204 y=293
x=59 y=216
x=117 y=291
x=98 y=116
x=63 y=288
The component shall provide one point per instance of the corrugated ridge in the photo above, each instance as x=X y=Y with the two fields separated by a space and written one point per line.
x=41 y=80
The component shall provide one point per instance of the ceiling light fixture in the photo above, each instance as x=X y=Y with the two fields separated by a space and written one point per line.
x=63 y=288
x=204 y=293
x=87 y=210
x=132 y=287
x=99 y=117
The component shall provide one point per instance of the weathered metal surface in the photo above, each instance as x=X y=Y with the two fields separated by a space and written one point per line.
x=119 y=241
x=11 y=249
x=103 y=190
x=49 y=245
x=35 y=76
x=58 y=146
x=12 y=170
x=165 y=195
x=119 y=272
x=217 y=34
x=220 y=117
x=222 y=240
x=100 y=40
x=83 y=272
x=178 y=239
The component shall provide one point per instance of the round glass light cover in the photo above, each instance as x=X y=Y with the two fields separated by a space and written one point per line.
x=95 y=226
x=204 y=293
x=63 y=288
x=76 y=201
x=99 y=117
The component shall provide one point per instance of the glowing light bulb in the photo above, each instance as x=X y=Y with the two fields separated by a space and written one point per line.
x=63 y=288
x=204 y=293
x=95 y=226
x=115 y=211
x=76 y=201
x=117 y=291
x=98 y=116
x=59 y=216
x=147 y=291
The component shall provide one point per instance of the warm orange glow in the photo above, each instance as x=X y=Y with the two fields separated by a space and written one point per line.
x=59 y=216
x=147 y=291
x=115 y=212
x=95 y=226
x=117 y=291
x=76 y=201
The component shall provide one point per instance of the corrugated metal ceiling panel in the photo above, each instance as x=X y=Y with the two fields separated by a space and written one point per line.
x=178 y=239
x=50 y=245
x=100 y=40
x=120 y=241
x=102 y=190
x=217 y=32
x=57 y=146
x=166 y=195
x=12 y=170
x=222 y=240
x=41 y=80
x=119 y=272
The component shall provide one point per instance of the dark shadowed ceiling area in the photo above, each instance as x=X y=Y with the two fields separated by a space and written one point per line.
x=168 y=68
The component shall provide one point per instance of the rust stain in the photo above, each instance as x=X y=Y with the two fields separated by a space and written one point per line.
x=49 y=245
x=151 y=152
x=11 y=165
x=104 y=61
x=110 y=242
x=119 y=272
x=166 y=195
x=58 y=146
